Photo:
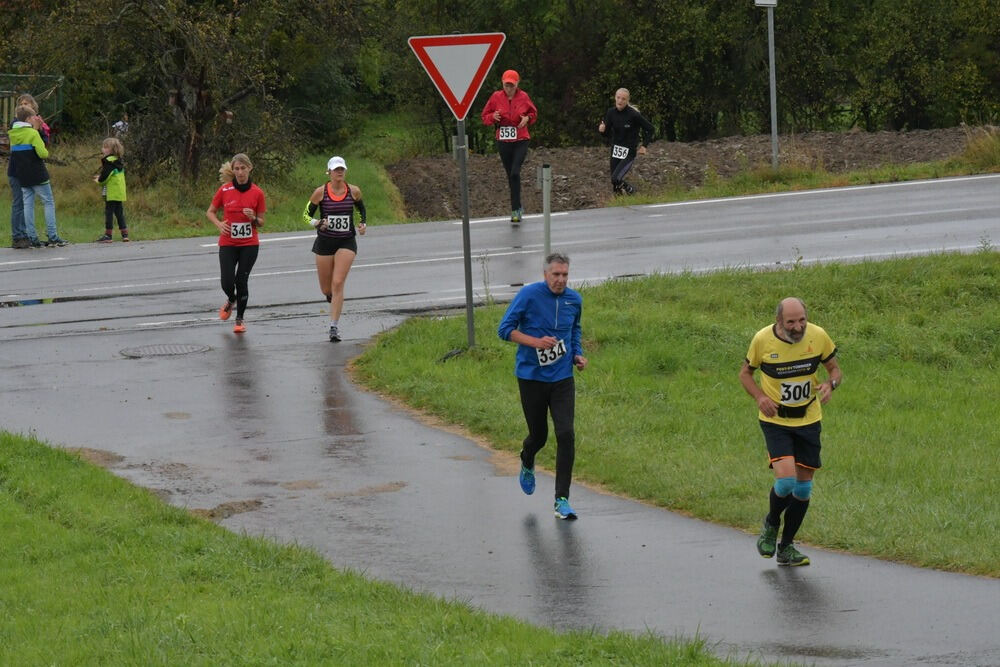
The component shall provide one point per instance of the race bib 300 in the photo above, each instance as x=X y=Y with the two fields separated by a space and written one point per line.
x=795 y=393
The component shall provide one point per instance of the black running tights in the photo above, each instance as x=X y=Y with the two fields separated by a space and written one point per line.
x=619 y=169
x=236 y=262
x=512 y=154
x=538 y=399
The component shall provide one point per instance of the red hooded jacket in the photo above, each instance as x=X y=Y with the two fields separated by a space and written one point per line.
x=511 y=111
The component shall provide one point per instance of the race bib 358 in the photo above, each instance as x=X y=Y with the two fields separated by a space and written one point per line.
x=507 y=133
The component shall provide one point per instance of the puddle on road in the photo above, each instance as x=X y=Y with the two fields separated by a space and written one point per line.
x=301 y=484
x=389 y=487
x=98 y=457
x=108 y=460
x=226 y=510
x=831 y=652
x=16 y=303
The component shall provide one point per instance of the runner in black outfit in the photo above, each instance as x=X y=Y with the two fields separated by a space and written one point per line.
x=621 y=124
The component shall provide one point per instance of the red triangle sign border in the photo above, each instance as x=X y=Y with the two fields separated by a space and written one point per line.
x=459 y=107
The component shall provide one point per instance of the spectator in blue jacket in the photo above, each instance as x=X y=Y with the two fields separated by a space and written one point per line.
x=27 y=162
x=544 y=321
x=20 y=236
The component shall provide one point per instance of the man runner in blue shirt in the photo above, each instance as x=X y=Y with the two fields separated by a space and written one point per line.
x=544 y=321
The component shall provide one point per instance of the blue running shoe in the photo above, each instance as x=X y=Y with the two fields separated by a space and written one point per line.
x=527 y=480
x=563 y=510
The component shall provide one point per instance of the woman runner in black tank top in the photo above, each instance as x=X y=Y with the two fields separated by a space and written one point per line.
x=330 y=210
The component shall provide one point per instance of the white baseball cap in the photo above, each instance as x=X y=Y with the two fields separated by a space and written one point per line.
x=336 y=162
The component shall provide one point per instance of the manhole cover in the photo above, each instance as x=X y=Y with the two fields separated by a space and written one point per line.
x=163 y=350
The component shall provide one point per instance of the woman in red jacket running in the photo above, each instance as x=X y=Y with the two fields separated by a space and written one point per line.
x=242 y=206
x=512 y=111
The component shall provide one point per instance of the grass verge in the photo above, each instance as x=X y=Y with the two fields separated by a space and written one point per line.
x=175 y=209
x=910 y=440
x=97 y=571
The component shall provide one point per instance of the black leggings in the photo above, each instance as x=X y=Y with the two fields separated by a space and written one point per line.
x=236 y=262
x=512 y=154
x=619 y=169
x=537 y=400
x=112 y=210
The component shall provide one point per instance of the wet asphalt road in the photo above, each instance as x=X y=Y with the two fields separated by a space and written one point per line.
x=270 y=423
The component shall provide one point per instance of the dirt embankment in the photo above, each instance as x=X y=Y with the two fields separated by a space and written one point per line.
x=580 y=175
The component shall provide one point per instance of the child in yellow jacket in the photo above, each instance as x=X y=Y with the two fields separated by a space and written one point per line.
x=112 y=177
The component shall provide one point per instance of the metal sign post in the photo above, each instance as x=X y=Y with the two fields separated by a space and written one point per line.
x=462 y=152
x=457 y=65
x=771 y=4
x=547 y=206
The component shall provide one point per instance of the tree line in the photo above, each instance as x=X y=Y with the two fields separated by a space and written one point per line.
x=200 y=79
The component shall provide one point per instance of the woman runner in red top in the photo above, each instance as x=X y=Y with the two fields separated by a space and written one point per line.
x=242 y=206
x=330 y=210
x=512 y=111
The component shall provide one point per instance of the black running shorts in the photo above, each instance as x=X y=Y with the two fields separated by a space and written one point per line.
x=800 y=442
x=329 y=245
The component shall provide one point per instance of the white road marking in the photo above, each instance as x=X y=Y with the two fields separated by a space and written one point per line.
x=269 y=239
x=802 y=193
x=480 y=221
x=33 y=261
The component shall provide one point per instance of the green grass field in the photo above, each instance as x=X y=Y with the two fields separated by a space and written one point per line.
x=909 y=441
x=99 y=572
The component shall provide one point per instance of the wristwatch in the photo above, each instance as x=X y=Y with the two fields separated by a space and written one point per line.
x=834 y=384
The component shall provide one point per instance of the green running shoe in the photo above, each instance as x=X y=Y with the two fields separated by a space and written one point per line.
x=767 y=543
x=791 y=556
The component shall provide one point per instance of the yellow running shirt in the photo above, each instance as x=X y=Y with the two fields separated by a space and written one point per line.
x=788 y=373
